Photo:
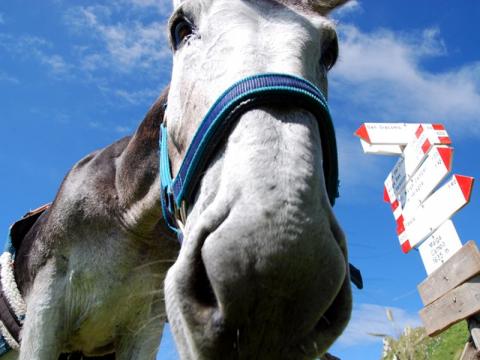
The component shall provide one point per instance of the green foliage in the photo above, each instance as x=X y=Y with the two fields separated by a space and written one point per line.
x=450 y=343
x=414 y=344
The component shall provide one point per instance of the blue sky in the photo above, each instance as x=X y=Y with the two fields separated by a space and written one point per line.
x=75 y=76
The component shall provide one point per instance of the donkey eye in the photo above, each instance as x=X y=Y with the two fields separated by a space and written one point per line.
x=330 y=53
x=181 y=30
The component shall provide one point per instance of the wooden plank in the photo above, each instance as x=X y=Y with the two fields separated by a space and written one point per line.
x=469 y=352
x=463 y=265
x=458 y=304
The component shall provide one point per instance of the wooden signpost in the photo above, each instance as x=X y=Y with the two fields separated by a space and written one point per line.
x=422 y=207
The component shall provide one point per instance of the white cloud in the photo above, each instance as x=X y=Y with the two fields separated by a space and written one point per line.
x=162 y=6
x=4 y=77
x=351 y=7
x=357 y=170
x=138 y=97
x=122 y=129
x=126 y=45
x=369 y=320
x=106 y=126
x=56 y=63
x=26 y=47
x=95 y=124
x=381 y=77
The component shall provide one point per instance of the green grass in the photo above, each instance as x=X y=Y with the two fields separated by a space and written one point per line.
x=450 y=343
x=414 y=344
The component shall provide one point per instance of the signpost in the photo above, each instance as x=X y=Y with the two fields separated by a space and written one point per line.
x=435 y=210
x=422 y=207
x=413 y=192
x=381 y=149
x=395 y=133
x=439 y=246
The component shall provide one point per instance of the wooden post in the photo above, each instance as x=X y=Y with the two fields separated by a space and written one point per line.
x=469 y=352
x=463 y=265
x=474 y=328
x=452 y=293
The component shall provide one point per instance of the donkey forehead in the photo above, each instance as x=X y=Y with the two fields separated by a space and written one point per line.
x=322 y=7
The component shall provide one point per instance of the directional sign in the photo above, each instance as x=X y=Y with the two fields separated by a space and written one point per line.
x=439 y=246
x=414 y=154
x=381 y=149
x=404 y=242
x=396 y=209
x=391 y=133
x=436 y=133
x=416 y=151
x=410 y=194
x=395 y=181
x=434 y=169
x=422 y=214
x=434 y=211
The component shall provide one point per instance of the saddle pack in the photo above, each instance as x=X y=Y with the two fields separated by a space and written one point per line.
x=12 y=305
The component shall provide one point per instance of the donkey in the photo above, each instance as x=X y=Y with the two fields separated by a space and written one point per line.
x=263 y=269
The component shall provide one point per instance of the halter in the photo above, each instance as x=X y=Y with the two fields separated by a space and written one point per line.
x=247 y=94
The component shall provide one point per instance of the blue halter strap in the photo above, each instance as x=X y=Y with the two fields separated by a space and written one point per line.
x=252 y=92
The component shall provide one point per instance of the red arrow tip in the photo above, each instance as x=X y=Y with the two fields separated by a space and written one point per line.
x=386 y=198
x=426 y=146
x=445 y=140
x=466 y=185
x=362 y=133
x=395 y=205
x=406 y=247
x=419 y=131
x=446 y=153
x=438 y=127
x=400 y=225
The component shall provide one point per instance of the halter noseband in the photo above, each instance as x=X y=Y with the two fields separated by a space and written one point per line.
x=249 y=93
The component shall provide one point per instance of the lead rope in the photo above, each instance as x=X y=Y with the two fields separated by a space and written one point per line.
x=12 y=305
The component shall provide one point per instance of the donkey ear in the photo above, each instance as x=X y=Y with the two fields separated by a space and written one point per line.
x=325 y=6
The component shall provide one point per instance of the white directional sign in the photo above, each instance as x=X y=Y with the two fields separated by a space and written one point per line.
x=409 y=194
x=391 y=133
x=439 y=207
x=433 y=170
x=416 y=151
x=381 y=149
x=422 y=214
x=439 y=246
x=395 y=181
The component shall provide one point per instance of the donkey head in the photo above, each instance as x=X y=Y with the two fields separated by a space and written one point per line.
x=262 y=272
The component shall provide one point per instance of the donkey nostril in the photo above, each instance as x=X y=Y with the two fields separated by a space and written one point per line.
x=202 y=288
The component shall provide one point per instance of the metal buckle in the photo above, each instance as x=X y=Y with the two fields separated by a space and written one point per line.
x=181 y=215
